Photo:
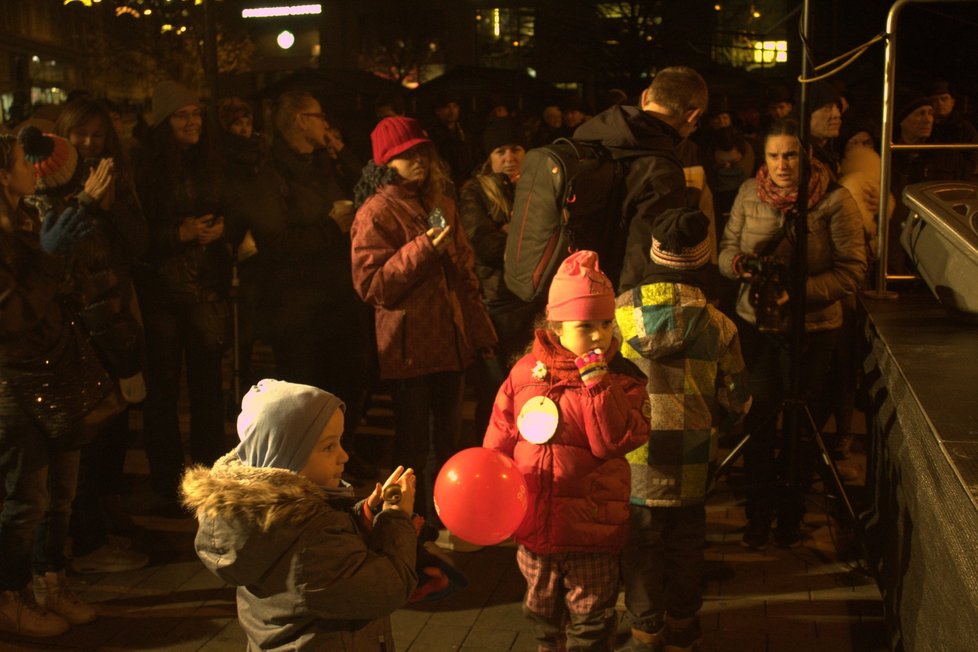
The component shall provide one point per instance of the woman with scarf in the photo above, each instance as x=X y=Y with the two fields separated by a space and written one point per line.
x=761 y=227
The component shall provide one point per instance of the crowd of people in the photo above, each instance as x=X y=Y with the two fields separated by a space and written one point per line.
x=119 y=256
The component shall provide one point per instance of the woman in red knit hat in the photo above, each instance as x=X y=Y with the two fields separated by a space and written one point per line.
x=413 y=263
x=568 y=413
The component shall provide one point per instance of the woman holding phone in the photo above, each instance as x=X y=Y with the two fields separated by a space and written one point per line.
x=413 y=263
x=182 y=287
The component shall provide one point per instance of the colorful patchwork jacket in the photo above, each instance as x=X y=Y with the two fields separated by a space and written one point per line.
x=690 y=353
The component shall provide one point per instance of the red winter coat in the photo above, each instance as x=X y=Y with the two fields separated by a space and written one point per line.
x=429 y=315
x=579 y=481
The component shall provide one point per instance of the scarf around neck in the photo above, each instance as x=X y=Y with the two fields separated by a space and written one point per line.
x=782 y=199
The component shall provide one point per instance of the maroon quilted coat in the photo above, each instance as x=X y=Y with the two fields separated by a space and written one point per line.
x=579 y=481
x=429 y=315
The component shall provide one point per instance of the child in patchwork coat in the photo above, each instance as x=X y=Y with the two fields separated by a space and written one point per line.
x=690 y=353
x=567 y=414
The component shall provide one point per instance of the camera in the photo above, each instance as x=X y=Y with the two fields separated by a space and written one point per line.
x=768 y=283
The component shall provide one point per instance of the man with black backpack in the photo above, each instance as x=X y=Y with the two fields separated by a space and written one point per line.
x=654 y=182
x=603 y=189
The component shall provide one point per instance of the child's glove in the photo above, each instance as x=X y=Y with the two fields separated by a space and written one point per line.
x=438 y=577
x=433 y=580
x=592 y=366
x=62 y=234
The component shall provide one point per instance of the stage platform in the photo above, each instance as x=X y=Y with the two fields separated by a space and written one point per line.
x=922 y=522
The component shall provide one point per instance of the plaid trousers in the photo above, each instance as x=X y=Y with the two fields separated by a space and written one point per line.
x=572 y=595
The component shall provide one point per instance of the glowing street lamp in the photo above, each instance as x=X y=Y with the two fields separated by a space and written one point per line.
x=285 y=39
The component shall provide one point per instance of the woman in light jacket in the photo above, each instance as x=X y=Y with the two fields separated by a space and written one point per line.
x=836 y=266
x=413 y=263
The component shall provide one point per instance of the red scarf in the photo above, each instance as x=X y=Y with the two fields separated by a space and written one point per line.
x=781 y=199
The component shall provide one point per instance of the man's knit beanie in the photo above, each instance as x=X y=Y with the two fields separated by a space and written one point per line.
x=280 y=422
x=821 y=94
x=500 y=132
x=580 y=291
x=908 y=106
x=54 y=159
x=679 y=240
x=169 y=97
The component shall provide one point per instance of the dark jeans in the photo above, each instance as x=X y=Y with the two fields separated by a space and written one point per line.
x=663 y=564
x=775 y=486
x=174 y=332
x=39 y=481
x=427 y=421
x=100 y=474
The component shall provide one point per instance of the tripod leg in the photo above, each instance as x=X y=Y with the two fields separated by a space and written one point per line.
x=731 y=457
x=829 y=465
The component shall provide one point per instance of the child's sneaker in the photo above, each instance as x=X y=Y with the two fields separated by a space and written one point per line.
x=681 y=634
x=21 y=615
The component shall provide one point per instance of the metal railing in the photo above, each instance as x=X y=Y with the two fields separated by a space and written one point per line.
x=887 y=146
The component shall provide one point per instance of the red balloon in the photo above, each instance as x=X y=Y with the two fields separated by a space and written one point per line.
x=481 y=496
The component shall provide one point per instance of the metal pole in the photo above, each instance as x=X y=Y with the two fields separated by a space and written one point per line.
x=886 y=150
x=799 y=272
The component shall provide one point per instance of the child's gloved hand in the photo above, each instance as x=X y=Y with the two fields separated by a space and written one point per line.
x=61 y=234
x=592 y=366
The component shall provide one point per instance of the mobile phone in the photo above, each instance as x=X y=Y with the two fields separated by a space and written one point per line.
x=436 y=219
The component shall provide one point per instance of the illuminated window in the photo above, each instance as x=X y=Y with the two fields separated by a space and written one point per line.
x=770 y=51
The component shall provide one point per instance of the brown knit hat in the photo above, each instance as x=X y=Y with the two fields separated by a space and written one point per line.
x=169 y=97
x=679 y=240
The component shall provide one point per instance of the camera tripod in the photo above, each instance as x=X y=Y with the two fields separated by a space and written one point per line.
x=793 y=406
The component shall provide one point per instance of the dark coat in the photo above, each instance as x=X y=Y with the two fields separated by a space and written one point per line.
x=33 y=289
x=309 y=576
x=578 y=481
x=175 y=271
x=429 y=315
x=653 y=183
x=484 y=224
x=304 y=257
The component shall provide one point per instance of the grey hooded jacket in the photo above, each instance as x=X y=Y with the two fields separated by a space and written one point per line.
x=308 y=575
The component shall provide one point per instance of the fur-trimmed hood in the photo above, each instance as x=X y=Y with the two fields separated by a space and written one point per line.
x=264 y=496
x=250 y=514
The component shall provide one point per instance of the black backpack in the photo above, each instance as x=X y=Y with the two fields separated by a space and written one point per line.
x=569 y=197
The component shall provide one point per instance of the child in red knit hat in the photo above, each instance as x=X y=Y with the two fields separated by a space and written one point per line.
x=568 y=413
